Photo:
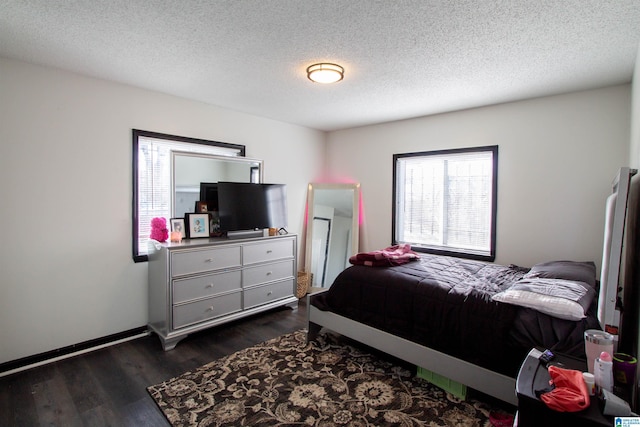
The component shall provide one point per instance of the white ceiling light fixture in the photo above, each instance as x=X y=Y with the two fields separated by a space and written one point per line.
x=325 y=73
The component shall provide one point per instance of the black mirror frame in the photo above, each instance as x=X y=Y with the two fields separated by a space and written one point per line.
x=136 y=134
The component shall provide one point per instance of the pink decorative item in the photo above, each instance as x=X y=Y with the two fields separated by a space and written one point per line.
x=176 y=236
x=159 y=229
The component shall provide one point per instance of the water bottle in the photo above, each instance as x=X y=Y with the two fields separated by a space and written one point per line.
x=603 y=368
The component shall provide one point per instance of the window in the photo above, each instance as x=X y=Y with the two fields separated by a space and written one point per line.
x=444 y=202
x=152 y=178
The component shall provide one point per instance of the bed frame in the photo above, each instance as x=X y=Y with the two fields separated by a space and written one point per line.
x=479 y=378
x=474 y=376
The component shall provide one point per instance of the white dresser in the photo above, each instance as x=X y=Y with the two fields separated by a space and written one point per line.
x=200 y=283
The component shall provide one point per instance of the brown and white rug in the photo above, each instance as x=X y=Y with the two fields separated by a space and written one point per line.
x=286 y=382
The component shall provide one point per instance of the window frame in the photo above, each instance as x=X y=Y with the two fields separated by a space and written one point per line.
x=136 y=135
x=457 y=252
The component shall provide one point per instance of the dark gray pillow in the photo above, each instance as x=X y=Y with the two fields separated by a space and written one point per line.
x=567 y=270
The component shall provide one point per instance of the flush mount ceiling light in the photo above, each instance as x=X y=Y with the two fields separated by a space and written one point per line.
x=325 y=73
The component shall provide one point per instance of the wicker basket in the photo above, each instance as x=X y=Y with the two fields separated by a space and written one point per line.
x=304 y=283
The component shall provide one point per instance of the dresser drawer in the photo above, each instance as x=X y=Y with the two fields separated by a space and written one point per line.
x=198 y=311
x=267 y=251
x=264 y=294
x=204 y=286
x=267 y=273
x=199 y=261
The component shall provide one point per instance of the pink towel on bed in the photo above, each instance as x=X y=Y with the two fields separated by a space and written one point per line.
x=393 y=255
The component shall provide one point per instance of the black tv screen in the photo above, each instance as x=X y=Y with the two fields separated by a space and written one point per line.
x=248 y=206
x=209 y=194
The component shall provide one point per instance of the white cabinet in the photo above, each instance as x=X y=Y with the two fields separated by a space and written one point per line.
x=200 y=283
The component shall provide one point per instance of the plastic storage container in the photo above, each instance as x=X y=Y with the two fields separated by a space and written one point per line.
x=590 y=382
x=604 y=372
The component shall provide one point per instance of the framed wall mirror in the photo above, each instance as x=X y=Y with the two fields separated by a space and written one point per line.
x=191 y=169
x=332 y=230
x=155 y=175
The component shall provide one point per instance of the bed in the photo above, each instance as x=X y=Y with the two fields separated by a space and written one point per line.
x=446 y=305
x=470 y=321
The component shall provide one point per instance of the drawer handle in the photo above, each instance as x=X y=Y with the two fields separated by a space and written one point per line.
x=269 y=293
x=210 y=308
x=269 y=251
x=269 y=273
x=210 y=285
x=208 y=260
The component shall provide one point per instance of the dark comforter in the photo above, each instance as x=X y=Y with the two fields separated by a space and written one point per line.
x=445 y=303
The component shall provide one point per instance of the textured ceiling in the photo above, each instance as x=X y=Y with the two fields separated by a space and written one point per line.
x=403 y=58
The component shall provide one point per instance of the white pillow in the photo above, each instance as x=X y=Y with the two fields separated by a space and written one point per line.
x=553 y=306
x=565 y=299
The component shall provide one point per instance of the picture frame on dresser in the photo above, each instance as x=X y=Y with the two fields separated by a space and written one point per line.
x=197 y=225
x=177 y=224
x=214 y=224
x=202 y=206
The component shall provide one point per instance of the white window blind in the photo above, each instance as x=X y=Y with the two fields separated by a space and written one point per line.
x=445 y=200
x=154 y=179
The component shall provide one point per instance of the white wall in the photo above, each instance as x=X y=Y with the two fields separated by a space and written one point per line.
x=66 y=269
x=557 y=158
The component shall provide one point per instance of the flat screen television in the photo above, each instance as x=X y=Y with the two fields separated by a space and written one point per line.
x=247 y=206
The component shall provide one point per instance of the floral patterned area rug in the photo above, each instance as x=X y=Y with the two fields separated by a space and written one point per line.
x=286 y=382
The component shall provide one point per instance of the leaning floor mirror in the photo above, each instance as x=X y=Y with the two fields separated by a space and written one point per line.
x=332 y=230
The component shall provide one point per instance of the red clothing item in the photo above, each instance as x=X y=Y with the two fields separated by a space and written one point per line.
x=570 y=394
x=393 y=255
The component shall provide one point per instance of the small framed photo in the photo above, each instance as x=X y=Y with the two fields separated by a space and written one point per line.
x=177 y=224
x=197 y=225
x=214 y=224
x=202 y=207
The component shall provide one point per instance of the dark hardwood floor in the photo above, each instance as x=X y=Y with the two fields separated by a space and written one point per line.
x=107 y=387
